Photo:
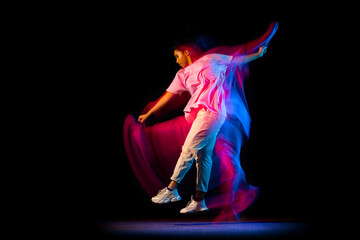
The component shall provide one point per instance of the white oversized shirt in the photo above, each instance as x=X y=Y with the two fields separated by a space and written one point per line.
x=204 y=80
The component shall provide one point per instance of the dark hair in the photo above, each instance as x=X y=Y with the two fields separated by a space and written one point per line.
x=193 y=35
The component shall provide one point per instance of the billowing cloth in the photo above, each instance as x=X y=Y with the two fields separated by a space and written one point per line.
x=236 y=104
x=154 y=150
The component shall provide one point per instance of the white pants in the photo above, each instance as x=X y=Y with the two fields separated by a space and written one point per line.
x=199 y=145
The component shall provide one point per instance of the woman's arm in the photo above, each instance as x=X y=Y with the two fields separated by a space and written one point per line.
x=160 y=104
x=250 y=57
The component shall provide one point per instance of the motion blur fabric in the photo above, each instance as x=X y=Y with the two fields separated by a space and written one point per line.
x=153 y=151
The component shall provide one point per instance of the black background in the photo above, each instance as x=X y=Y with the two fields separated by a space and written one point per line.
x=122 y=58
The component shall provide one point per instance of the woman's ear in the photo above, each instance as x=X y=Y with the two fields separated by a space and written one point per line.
x=187 y=53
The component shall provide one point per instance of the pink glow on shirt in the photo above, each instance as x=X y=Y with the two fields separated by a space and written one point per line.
x=204 y=81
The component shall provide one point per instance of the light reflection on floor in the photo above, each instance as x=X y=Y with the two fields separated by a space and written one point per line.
x=199 y=229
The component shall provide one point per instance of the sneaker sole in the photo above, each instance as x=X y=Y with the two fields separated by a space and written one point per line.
x=175 y=199
x=164 y=201
x=193 y=212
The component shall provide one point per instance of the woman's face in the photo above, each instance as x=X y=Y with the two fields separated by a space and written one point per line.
x=182 y=57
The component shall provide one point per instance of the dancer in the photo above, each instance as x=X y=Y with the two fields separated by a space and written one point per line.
x=206 y=77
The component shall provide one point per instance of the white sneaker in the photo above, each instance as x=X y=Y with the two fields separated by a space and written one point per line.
x=194 y=206
x=166 y=196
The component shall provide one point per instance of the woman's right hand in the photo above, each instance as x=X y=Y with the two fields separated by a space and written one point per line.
x=143 y=117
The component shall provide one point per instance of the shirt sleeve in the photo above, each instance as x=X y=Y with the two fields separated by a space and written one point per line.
x=226 y=59
x=177 y=85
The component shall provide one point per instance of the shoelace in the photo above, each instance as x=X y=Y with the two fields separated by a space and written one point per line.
x=161 y=191
x=191 y=202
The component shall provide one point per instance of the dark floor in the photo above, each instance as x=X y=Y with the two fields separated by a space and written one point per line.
x=204 y=229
